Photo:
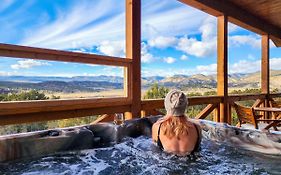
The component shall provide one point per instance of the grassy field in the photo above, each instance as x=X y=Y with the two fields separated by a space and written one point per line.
x=120 y=93
x=108 y=93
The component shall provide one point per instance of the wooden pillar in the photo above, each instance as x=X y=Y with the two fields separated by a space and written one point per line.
x=133 y=51
x=265 y=65
x=222 y=79
x=265 y=70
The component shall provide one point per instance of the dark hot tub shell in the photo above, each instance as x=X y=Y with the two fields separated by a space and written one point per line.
x=40 y=143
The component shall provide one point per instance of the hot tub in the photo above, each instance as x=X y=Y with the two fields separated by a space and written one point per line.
x=128 y=149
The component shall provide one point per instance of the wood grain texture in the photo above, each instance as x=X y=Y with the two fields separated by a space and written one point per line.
x=56 y=115
x=25 y=107
x=265 y=64
x=222 y=69
x=133 y=52
x=9 y=50
x=206 y=111
x=259 y=16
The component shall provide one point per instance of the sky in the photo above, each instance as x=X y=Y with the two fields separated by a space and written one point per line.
x=176 y=38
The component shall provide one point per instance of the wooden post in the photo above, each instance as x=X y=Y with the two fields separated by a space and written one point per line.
x=133 y=51
x=229 y=116
x=222 y=79
x=265 y=70
x=216 y=113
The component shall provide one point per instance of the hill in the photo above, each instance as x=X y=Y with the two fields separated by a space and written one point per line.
x=103 y=82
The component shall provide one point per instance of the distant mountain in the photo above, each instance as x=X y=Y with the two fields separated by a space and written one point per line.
x=38 y=79
x=62 y=86
x=103 y=82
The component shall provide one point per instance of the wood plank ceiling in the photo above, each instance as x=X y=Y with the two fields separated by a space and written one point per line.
x=259 y=16
x=269 y=10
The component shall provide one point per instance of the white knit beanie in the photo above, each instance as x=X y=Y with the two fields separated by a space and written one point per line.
x=175 y=103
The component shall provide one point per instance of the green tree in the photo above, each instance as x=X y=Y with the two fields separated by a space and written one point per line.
x=75 y=121
x=156 y=91
x=208 y=93
x=30 y=95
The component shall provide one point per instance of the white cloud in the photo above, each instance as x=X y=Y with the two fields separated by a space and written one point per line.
x=197 y=48
x=244 y=66
x=240 y=40
x=93 y=65
x=184 y=57
x=146 y=57
x=275 y=63
x=166 y=18
x=26 y=64
x=169 y=60
x=232 y=27
x=78 y=26
x=112 y=48
x=206 y=69
x=162 y=42
x=207 y=45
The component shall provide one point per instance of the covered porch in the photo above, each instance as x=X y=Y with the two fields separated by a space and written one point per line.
x=255 y=16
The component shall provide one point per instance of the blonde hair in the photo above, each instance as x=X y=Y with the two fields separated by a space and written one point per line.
x=175 y=126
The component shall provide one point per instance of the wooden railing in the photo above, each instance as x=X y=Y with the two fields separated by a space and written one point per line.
x=30 y=111
x=151 y=107
x=42 y=110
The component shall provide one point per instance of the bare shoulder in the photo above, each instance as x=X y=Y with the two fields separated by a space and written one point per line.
x=155 y=128
x=197 y=127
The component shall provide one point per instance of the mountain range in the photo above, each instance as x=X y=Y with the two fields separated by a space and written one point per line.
x=89 y=83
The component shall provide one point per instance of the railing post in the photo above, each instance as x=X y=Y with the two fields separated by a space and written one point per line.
x=222 y=77
x=265 y=70
x=133 y=51
x=216 y=113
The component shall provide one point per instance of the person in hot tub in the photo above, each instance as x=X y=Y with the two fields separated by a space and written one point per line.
x=175 y=133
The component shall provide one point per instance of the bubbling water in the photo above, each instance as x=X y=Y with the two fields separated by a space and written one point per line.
x=141 y=156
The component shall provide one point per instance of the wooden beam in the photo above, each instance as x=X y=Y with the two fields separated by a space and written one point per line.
x=133 y=51
x=222 y=77
x=206 y=111
x=257 y=103
x=274 y=95
x=192 y=101
x=9 y=50
x=265 y=65
x=236 y=15
x=56 y=115
x=244 y=97
x=27 y=107
x=204 y=100
x=104 y=118
x=275 y=40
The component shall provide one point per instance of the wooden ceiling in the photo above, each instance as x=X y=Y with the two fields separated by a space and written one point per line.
x=259 y=16
x=269 y=10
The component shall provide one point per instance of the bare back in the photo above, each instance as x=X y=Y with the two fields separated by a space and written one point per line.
x=182 y=145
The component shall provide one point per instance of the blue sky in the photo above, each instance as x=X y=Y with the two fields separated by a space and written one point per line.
x=176 y=39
